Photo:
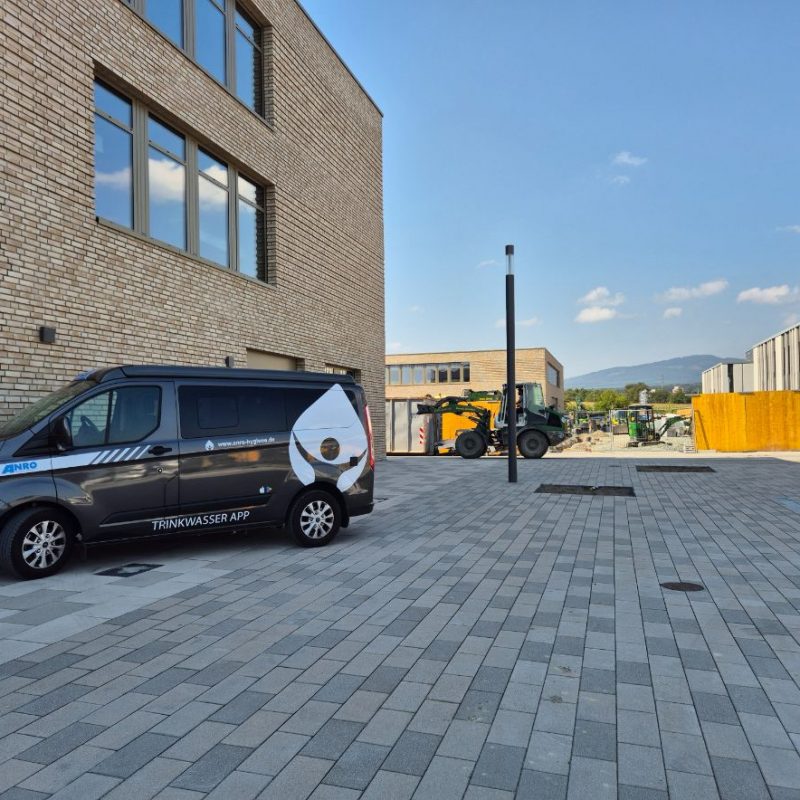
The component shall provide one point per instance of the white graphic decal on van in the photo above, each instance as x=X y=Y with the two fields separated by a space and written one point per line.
x=209 y=445
x=72 y=460
x=199 y=520
x=328 y=432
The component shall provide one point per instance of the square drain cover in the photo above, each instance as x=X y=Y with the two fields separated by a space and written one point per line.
x=672 y=468
x=128 y=570
x=595 y=491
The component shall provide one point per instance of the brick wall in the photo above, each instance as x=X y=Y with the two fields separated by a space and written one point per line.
x=116 y=297
x=487 y=372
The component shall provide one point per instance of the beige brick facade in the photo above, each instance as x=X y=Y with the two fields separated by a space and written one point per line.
x=118 y=297
x=487 y=370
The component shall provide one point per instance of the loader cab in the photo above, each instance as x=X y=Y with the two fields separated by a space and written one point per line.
x=529 y=404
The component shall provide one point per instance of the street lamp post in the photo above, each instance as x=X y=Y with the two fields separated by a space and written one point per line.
x=511 y=378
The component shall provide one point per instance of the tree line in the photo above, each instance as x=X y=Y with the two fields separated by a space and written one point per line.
x=606 y=399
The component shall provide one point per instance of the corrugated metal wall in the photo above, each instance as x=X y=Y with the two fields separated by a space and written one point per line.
x=747 y=422
x=403 y=426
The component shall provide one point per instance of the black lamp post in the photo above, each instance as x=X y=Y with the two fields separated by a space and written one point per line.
x=511 y=377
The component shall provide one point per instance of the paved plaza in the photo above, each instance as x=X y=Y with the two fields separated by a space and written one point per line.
x=469 y=639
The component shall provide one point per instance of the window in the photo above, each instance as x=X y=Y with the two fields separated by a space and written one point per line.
x=230 y=410
x=394 y=375
x=455 y=373
x=166 y=174
x=419 y=376
x=553 y=375
x=333 y=369
x=430 y=373
x=113 y=156
x=182 y=191
x=210 y=38
x=213 y=193
x=248 y=63
x=406 y=374
x=252 y=233
x=465 y=372
x=443 y=373
x=120 y=416
x=219 y=36
x=167 y=16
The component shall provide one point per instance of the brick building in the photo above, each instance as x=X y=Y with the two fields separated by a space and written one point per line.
x=184 y=181
x=416 y=375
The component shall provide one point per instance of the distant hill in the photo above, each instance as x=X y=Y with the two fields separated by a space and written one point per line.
x=683 y=370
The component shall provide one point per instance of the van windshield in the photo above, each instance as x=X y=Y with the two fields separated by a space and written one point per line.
x=36 y=412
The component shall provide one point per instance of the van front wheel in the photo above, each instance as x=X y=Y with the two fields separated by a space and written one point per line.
x=315 y=519
x=36 y=542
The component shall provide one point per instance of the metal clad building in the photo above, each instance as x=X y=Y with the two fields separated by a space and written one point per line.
x=728 y=376
x=776 y=361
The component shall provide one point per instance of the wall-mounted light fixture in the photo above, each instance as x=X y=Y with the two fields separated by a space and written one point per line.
x=47 y=335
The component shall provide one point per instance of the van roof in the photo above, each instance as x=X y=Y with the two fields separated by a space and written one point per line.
x=216 y=373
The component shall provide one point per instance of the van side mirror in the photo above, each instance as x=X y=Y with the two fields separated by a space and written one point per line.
x=60 y=435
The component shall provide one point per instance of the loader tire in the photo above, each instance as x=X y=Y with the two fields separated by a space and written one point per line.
x=470 y=444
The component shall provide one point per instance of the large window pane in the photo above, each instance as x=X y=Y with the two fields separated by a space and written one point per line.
x=166 y=138
x=210 y=42
x=246 y=71
x=251 y=241
x=111 y=104
x=167 y=179
x=455 y=373
x=212 y=167
x=167 y=16
x=113 y=160
x=213 y=222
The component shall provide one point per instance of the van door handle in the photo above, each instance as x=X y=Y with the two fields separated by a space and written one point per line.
x=159 y=450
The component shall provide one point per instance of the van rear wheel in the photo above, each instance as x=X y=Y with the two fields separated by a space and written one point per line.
x=36 y=542
x=315 y=518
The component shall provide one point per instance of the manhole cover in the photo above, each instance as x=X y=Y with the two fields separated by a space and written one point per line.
x=128 y=570
x=671 y=468
x=597 y=491
x=683 y=586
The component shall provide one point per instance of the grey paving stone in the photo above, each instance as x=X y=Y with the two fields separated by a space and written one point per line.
x=244 y=705
x=633 y=672
x=641 y=793
x=391 y=786
x=339 y=688
x=714 y=708
x=209 y=770
x=499 y=766
x=412 y=753
x=595 y=740
x=59 y=744
x=535 y=785
x=549 y=752
x=357 y=766
x=641 y=766
x=691 y=786
x=479 y=706
x=592 y=779
x=135 y=755
x=779 y=766
x=445 y=779
x=298 y=780
x=331 y=741
x=739 y=780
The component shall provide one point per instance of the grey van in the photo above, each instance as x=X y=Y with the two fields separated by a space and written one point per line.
x=143 y=451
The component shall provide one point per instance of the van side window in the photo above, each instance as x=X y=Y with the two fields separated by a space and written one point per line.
x=230 y=410
x=121 y=416
x=299 y=399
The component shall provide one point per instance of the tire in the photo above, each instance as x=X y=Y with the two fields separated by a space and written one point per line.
x=36 y=542
x=315 y=518
x=470 y=444
x=532 y=444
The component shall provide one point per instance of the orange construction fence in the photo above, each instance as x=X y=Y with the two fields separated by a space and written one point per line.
x=734 y=422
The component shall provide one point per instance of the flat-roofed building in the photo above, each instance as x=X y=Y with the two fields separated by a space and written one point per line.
x=186 y=182
x=776 y=361
x=728 y=376
x=415 y=375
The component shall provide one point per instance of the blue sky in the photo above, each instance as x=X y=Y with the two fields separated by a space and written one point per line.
x=642 y=157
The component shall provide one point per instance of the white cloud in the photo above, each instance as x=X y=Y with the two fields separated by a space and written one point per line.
x=790 y=228
x=770 y=295
x=601 y=296
x=672 y=312
x=121 y=179
x=707 y=289
x=596 y=314
x=490 y=262
x=620 y=180
x=416 y=309
x=627 y=159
